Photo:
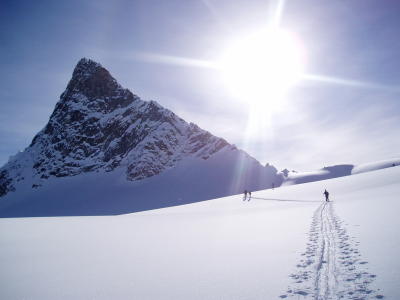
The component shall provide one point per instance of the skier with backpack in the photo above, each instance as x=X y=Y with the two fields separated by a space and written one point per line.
x=326 y=193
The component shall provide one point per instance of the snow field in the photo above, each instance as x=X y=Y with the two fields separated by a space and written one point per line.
x=224 y=248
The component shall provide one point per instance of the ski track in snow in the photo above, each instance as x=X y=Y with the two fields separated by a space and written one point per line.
x=331 y=267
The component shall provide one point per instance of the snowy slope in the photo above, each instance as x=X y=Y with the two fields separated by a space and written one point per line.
x=372 y=166
x=292 y=177
x=109 y=193
x=97 y=126
x=281 y=243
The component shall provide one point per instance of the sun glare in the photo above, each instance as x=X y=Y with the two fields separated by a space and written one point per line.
x=262 y=67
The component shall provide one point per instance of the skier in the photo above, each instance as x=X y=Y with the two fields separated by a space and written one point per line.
x=245 y=195
x=326 y=193
x=249 y=195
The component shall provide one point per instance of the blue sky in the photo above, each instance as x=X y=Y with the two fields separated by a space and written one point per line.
x=323 y=123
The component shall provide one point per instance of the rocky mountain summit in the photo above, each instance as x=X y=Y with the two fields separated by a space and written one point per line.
x=97 y=125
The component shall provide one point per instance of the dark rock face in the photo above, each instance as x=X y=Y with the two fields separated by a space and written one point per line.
x=94 y=82
x=5 y=183
x=98 y=125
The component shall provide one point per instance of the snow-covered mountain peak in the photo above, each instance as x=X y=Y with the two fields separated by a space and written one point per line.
x=86 y=66
x=93 y=86
x=97 y=125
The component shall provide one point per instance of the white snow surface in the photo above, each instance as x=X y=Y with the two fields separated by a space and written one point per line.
x=367 y=167
x=335 y=171
x=282 y=243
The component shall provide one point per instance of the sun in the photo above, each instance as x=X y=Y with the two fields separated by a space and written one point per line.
x=262 y=67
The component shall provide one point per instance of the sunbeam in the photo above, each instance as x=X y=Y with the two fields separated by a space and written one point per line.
x=217 y=66
x=175 y=60
x=277 y=14
x=347 y=82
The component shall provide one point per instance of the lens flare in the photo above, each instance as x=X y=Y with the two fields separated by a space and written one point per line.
x=262 y=67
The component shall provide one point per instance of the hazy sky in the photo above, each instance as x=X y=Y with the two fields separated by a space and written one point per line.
x=322 y=123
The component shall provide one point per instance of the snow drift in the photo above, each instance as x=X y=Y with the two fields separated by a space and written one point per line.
x=336 y=171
